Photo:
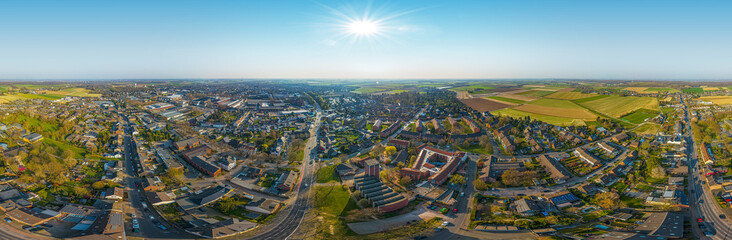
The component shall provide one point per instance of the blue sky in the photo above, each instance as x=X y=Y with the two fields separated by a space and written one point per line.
x=421 y=39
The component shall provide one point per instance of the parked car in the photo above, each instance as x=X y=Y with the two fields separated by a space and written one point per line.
x=134 y=216
x=155 y=221
x=8 y=220
x=162 y=227
x=722 y=216
x=438 y=229
x=454 y=210
x=134 y=221
x=135 y=225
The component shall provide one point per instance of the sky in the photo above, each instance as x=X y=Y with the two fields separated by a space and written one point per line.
x=308 y=39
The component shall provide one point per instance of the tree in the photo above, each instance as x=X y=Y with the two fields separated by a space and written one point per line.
x=608 y=200
x=99 y=185
x=457 y=179
x=405 y=181
x=390 y=151
x=364 y=203
x=480 y=185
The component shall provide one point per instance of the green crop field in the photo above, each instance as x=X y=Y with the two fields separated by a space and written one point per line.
x=505 y=99
x=536 y=93
x=661 y=89
x=557 y=108
x=693 y=90
x=616 y=106
x=570 y=95
x=640 y=115
x=561 y=121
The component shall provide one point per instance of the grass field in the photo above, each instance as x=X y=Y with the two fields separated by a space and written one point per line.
x=640 y=115
x=617 y=106
x=333 y=200
x=561 y=121
x=50 y=95
x=326 y=174
x=536 y=93
x=367 y=90
x=647 y=128
x=505 y=99
x=570 y=95
x=719 y=100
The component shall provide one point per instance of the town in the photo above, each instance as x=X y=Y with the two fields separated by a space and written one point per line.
x=287 y=159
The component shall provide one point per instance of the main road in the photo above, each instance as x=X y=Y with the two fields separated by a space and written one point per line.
x=295 y=213
x=703 y=203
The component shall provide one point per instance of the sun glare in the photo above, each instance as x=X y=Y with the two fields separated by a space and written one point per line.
x=363 y=27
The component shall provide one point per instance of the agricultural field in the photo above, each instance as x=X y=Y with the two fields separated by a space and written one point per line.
x=536 y=93
x=617 y=106
x=570 y=95
x=557 y=108
x=73 y=92
x=693 y=90
x=640 y=115
x=507 y=100
x=482 y=104
x=719 y=100
x=561 y=121
x=650 y=89
x=475 y=88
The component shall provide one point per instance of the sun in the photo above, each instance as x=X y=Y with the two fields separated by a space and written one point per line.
x=363 y=27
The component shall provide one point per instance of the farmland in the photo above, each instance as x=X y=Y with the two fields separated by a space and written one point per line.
x=475 y=88
x=617 y=106
x=482 y=104
x=719 y=100
x=693 y=90
x=650 y=89
x=640 y=115
x=557 y=108
x=561 y=121
x=570 y=95
x=536 y=93
x=508 y=100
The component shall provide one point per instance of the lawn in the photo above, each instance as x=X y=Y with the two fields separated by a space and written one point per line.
x=334 y=200
x=647 y=128
x=508 y=100
x=616 y=106
x=475 y=148
x=640 y=115
x=561 y=121
x=326 y=174
x=570 y=95
x=78 y=152
x=632 y=202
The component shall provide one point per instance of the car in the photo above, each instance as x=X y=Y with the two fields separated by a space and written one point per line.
x=155 y=221
x=151 y=217
x=8 y=220
x=47 y=225
x=135 y=225
x=134 y=221
x=136 y=230
x=162 y=227
x=722 y=216
x=701 y=201
x=708 y=234
x=420 y=237
x=134 y=215
x=26 y=227
x=438 y=229
x=702 y=226
x=445 y=223
x=462 y=194
x=700 y=220
x=454 y=210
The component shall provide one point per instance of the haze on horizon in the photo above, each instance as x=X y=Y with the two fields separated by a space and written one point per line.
x=381 y=39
